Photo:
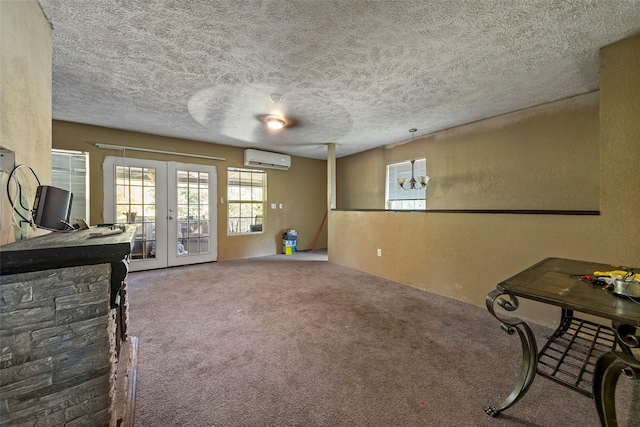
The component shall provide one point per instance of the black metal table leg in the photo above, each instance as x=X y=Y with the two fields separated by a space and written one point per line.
x=512 y=325
x=608 y=369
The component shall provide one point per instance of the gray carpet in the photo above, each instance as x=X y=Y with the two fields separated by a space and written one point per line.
x=289 y=341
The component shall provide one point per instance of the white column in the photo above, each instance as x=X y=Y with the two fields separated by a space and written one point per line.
x=331 y=175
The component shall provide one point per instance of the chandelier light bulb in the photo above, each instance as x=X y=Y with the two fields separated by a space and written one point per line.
x=274 y=122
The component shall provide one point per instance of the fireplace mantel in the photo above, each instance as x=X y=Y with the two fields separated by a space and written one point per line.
x=65 y=249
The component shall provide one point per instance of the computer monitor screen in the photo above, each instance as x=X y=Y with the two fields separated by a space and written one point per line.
x=51 y=206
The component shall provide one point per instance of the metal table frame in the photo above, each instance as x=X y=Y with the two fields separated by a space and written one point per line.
x=585 y=356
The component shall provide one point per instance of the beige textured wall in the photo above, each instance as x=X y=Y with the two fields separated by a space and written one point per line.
x=540 y=158
x=301 y=189
x=360 y=180
x=620 y=149
x=25 y=94
x=463 y=256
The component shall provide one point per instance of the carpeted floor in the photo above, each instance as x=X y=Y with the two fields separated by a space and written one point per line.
x=290 y=341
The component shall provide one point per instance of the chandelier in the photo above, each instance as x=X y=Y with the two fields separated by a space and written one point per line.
x=413 y=184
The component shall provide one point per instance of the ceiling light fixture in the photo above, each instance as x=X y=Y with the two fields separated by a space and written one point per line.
x=413 y=184
x=274 y=122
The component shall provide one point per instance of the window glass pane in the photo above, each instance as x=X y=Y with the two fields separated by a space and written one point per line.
x=79 y=163
x=246 y=198
x=245 y=224
x=194 y=195
x=234 y=176
x=122 y=175
x=183 y=212
x=256 y=193
x=193 y=213
x=204 y=211
x=245 y=193
x=149 y=213
x=182 y=195
x=135 y=194
x=136 y=209
x=121 y=212
x=233 y=192
x=245 y=178
x=204 y=196
x=182 y=178
x=70 y=171
x=149 y=177
x=398 y=198
x=135 y=175
x=150 y=195
x=204 y=180
x=246 y=210
x=135 y=203
x=233 y=225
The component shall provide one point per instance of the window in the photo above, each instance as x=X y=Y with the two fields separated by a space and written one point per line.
x=398 y=198
x=70 y=171
x=245 y=200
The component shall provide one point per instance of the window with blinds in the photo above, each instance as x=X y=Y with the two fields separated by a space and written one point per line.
x=70 y=171
x=397 y=198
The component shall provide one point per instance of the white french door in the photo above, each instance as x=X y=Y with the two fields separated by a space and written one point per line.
x=173 y=205
x=192 y=213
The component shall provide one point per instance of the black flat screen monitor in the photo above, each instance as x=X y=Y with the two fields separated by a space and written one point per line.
x=51 y=206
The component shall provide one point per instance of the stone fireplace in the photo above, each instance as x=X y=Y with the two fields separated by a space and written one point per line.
x=65 y=356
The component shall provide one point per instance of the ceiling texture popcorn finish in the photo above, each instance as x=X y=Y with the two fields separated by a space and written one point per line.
x=351 y=72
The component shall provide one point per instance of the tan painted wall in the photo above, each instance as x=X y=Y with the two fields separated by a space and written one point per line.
x=463 y=256
x=360 y=180
x=620 y=149
x=25 y=95
x=301 y=189
x=540 y=158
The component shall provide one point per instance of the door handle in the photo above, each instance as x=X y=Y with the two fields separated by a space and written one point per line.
x=170 y=216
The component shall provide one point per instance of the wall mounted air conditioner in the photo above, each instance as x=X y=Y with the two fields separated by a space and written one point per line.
x=266 y=159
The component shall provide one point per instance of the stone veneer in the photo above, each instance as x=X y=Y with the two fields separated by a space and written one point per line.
x=57 y=347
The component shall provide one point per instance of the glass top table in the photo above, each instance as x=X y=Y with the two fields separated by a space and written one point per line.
x=583 y=355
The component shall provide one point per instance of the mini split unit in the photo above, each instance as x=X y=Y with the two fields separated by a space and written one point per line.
x=266 y=159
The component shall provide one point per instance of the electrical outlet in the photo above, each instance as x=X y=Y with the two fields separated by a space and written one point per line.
x=7 y=160
x=379 y=252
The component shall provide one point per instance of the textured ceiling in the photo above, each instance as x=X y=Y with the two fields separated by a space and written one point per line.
x=357 y=73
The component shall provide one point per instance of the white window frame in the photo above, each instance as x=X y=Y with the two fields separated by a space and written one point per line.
x=234 y=229
x=399 y=199
x=63 y=177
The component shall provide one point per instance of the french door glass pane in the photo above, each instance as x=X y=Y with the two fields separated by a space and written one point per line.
x=193 y=213
x=136 y=204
